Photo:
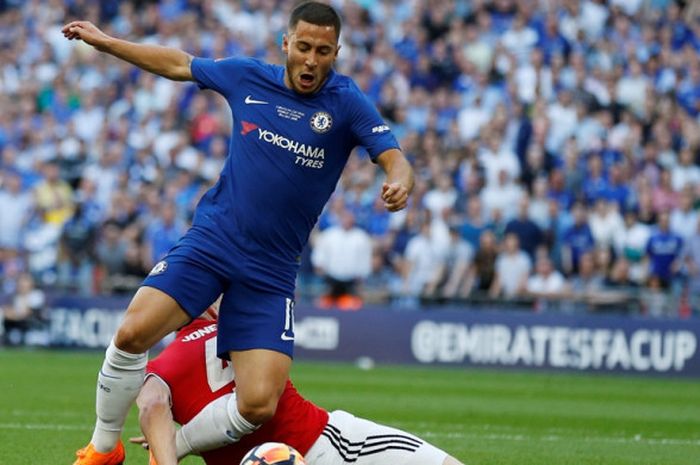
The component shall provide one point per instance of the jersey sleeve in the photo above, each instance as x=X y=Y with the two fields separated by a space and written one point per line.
x=165 y=366
x=221 y=75
x=369 y=128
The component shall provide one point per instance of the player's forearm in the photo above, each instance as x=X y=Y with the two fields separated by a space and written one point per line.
x=400 y=171
x=157 y=425
x=164 y=61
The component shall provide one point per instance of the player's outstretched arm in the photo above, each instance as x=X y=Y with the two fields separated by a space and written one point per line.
x=399 y=179
x=156 y=421
x=167 y=62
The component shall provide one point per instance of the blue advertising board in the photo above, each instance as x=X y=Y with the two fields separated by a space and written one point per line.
x=600 y=343
x=504 y=339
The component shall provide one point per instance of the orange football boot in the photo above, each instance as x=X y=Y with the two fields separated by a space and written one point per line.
x=89 y=456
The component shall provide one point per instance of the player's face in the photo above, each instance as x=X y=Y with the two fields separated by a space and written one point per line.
x=311 y=51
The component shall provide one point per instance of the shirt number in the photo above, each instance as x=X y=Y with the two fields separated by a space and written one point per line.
x=219 y=372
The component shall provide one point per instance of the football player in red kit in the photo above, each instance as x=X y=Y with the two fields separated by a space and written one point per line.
x=187 y=376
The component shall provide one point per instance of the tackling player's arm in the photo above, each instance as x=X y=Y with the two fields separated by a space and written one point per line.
x=167 y=62
x=156 y=420
x=399 y=179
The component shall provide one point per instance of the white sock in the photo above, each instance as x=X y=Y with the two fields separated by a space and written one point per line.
x=216 y=425
x=118 y=384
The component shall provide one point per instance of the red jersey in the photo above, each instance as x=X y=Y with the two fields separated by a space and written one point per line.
x=196 y=377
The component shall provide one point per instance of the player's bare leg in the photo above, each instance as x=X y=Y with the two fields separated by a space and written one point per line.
x=260 y=379
x=150 y=316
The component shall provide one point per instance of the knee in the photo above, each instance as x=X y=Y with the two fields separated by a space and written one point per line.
x=258 y=407
x=130 y=340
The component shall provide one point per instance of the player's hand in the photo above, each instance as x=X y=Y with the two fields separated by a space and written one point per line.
x=395 y=196
x=87 y=32
x=139 y=440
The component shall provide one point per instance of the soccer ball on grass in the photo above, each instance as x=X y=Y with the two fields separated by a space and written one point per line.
x=273 y=453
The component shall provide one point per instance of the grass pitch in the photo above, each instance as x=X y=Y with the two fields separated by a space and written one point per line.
x=480 y=417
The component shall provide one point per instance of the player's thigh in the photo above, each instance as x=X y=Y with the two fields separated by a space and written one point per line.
x=348 y=439
x=151 y=315
x=177 y=290
x=261 y=375
x=256 y=330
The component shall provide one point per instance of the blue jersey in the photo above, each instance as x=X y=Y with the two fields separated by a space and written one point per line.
x=287 y=152
x=663 y=248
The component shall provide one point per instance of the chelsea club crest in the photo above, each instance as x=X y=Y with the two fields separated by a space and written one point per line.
x=321 y=122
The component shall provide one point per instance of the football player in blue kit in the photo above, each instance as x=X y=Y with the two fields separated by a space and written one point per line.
x=294 y=128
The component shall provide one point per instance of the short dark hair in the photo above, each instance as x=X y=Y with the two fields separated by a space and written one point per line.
x=316 y=13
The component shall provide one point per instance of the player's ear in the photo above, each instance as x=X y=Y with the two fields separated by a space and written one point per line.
x=337 y=49
x=285 y=43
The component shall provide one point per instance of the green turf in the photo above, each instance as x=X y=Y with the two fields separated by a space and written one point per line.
x=479 y=416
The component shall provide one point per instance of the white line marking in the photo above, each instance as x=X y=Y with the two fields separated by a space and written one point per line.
x=44 y=426
x=53 y=427
x=40 y=413
x=637 y=439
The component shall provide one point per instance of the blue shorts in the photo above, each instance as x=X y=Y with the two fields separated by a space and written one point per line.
x=250 y=316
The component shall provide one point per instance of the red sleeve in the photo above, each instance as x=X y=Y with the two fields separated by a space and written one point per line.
x=190 y=368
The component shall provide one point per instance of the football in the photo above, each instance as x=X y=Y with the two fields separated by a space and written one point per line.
x=273 y=453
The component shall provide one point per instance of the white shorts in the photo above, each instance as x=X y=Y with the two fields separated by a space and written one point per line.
x=347 y=439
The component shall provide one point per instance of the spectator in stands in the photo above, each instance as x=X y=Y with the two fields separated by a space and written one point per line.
x=529 y=234
x=664 y=252
x=665 y=198
x=539 y=210
x=546 y=284
x=577 y=240
x=111 y=249
x=684 y=219
x=501 y=200
x=618 y=190
x=496 y=158
x=474 y=224
x=630 y=244
x=24 y=310
x=162 y=234
x=420 y=266
x=604 y=221
x=645 y=203
x=450 y=280
x=512 y=270
x=400 y=236
x=595 y=185
x=76 y=253
x=441 y=197
x=342 y=255
x=620 y=276
x=654 y=301
x=482 y=272
x=686 y=172
x=16 y=206
x=587 y=283
x=54 y=197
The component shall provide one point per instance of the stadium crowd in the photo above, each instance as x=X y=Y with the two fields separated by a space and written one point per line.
x=556 y=146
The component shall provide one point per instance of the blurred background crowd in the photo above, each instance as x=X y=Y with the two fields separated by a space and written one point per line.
x=556 y=146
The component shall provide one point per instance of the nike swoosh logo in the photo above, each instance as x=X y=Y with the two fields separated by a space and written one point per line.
x=284 y=337
x=249 y=100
